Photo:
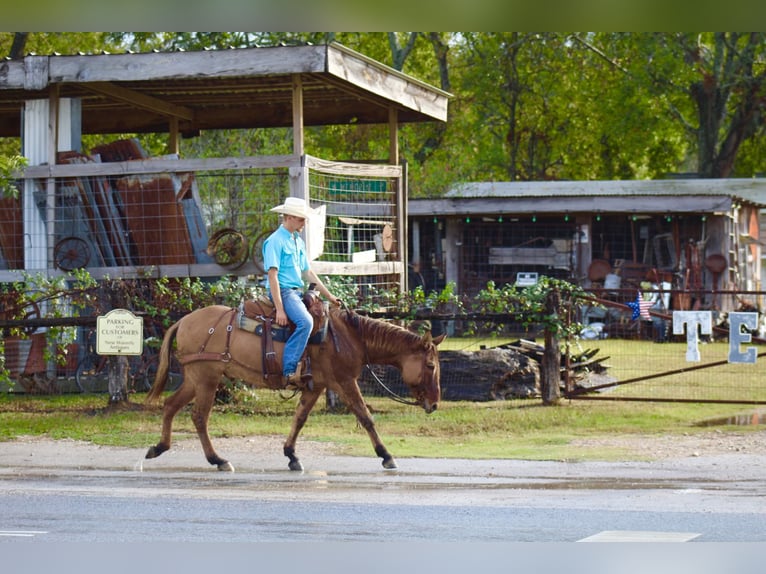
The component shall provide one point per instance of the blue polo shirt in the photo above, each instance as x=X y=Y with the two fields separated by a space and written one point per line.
x=287 y=252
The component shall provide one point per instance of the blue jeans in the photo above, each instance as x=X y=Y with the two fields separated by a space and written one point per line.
x=296 y=311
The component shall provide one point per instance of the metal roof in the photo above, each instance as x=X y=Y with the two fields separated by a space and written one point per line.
x=752 y=189
x=215 y=89
x=639 y=196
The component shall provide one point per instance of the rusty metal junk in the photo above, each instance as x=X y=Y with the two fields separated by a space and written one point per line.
x=108 y=221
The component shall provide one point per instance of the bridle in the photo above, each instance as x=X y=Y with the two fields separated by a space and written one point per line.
x=391 y=394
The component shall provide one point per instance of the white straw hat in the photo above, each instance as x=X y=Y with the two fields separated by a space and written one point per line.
x=294 y=206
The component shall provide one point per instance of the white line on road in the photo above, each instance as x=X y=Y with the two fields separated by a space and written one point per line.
x=22 y=533
x=640 y=536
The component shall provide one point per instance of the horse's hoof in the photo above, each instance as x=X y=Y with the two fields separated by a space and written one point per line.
x=155 y=451
x=389 y=464
x=295 y=465
x=226 y=467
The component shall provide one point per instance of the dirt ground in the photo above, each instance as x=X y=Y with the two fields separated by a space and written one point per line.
x=710 y=443
x=44 y=452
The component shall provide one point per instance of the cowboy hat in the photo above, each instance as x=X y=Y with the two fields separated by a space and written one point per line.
x=294 y=206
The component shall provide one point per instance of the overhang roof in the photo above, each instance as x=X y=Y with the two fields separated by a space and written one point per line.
x=216 y=89
x=613 y=196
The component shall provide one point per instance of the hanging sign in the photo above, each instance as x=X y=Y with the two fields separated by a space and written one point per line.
x=119 y=332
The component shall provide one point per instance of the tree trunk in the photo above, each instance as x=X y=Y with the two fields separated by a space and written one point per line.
x=19 y=43
x=551 y=365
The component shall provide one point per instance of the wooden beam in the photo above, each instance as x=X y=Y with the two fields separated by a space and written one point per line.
x=393 y=136
x=375 y=78
x=298 y=143
x=133 y=167
x=173 y=135
x=139 y=100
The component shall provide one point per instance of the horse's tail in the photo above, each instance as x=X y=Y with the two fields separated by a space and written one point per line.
x=163 y=367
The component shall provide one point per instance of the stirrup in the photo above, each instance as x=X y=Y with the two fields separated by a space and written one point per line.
x=298 y=381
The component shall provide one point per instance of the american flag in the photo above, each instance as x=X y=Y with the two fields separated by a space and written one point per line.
x=640 y=308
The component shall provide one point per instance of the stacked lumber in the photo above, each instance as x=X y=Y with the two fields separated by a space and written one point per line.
x=130 y=220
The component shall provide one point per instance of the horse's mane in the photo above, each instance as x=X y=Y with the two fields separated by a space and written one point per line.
x=382 y=336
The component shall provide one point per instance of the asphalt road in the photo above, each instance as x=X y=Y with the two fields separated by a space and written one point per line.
x=75 y=492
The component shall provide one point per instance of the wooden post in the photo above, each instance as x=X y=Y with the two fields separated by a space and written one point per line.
x=173 y=144
x=117 y=365
x=551 y=366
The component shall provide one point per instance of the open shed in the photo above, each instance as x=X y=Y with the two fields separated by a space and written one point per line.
x=95 y=196
x=700 y=235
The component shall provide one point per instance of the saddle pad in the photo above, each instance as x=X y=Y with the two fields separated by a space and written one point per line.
x=278 y=333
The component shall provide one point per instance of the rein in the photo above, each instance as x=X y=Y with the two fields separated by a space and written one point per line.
x=391 y=394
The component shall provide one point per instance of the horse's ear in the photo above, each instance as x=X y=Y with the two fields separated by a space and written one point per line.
x=428 y=339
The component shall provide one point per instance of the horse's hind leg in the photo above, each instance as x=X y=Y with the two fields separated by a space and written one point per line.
x=203 y=404
x=173 y=404
x=306 y=403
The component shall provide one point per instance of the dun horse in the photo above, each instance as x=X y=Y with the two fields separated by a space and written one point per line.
x=211 y=347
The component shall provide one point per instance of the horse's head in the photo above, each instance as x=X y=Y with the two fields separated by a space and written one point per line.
x=420 y=371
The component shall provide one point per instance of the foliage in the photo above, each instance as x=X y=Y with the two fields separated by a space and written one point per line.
x=9 y=168
x=162 y=301
x=526 y=105
x=529 y=306
x=54 y=297
x=44 y=43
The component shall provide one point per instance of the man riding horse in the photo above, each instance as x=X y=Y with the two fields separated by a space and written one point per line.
x=287 y=265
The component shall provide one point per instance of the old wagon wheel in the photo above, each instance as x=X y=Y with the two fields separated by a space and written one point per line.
x=228 y=247
x=71 y=253
x=257 y=254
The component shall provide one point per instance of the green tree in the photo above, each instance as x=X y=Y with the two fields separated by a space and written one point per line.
x=729 y=94
x=18 y=44
x=710 y=84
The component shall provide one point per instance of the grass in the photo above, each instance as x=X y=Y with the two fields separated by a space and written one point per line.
x=519 y=429
x=508 y=429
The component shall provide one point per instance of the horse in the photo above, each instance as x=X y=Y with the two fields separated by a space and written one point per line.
x=210 y=346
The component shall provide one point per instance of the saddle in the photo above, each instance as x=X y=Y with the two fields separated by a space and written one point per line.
x=259 y=315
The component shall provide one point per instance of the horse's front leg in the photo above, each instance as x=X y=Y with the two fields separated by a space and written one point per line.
x=305 y=404
x=353 y=398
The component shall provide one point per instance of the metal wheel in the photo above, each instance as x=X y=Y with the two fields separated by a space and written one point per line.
x=228 y=247
x=71 y=253
x=257 y=254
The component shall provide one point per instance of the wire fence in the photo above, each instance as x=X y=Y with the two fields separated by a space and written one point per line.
x=500 y=361
x=643 y=360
